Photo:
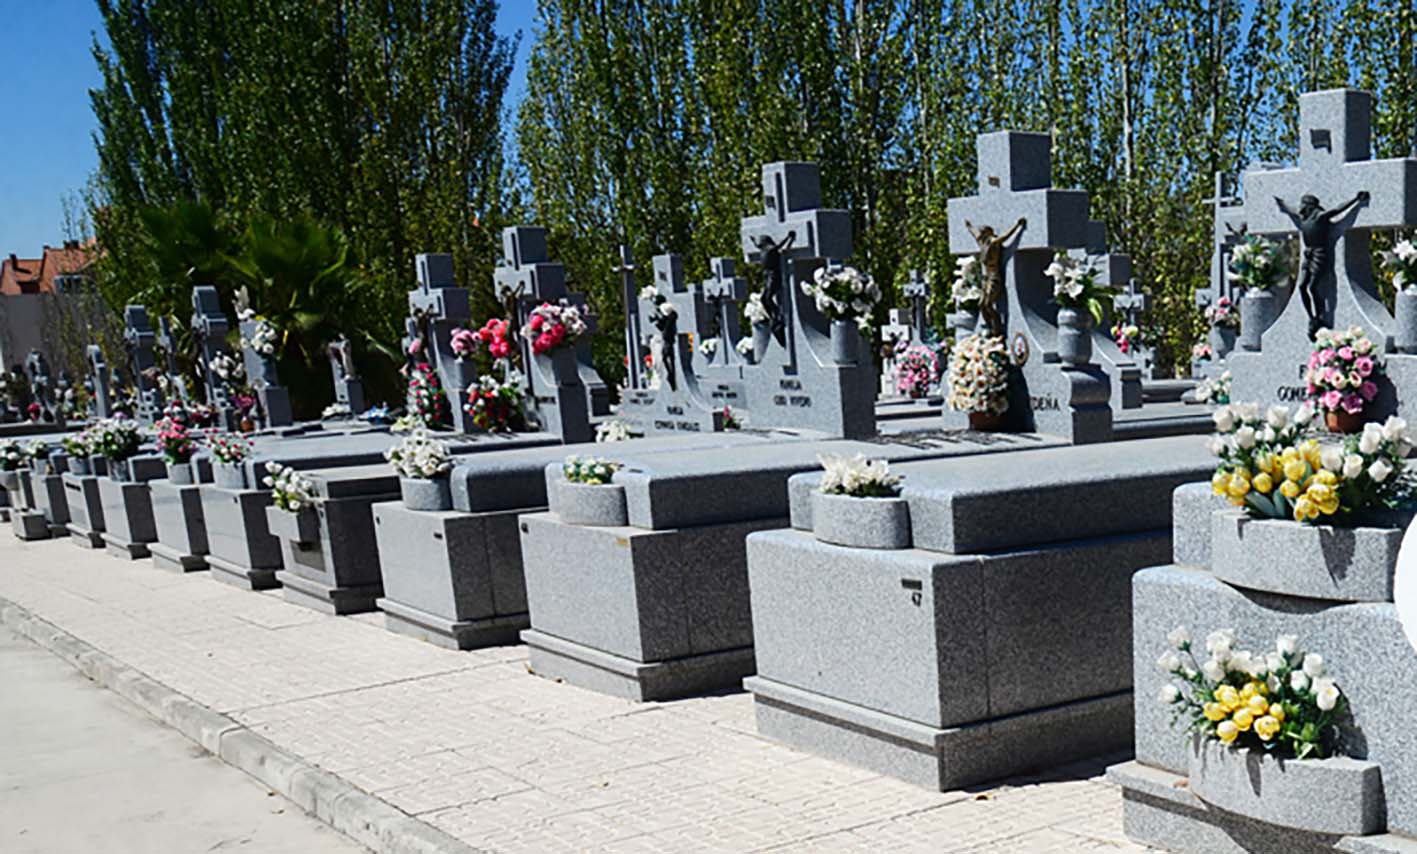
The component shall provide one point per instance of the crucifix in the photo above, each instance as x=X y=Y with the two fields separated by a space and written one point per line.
x=37 y=371
x=724 y=290
x=435 y=308
x=917 y=290
x=210 y=326
x=349 y=389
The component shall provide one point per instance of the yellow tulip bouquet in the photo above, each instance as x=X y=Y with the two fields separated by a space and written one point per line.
x=1281 y=701
x=1275 y=467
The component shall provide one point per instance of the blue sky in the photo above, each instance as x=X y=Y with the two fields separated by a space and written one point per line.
x=46 y=71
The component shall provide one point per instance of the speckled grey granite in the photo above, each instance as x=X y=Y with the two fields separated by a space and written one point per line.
x=29 y=525
x=302 y=526
x=433 y=495
x=1337 y=796
x=128 y=518
x=867 y=523
x=451 y=578
x=51 y=500
x=229 y=475
x=85 y=510
x=181 y=527
x=1191 y=507
x=584 y=503
x=1313 y=561
x=241 y=550
x=1363 y=645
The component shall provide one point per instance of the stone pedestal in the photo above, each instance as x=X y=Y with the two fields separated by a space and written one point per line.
x=241 y=549
x=451 y=578
x=337 y=570
x=128 y=518
x=181 y=527
x=1364 y=648
x=86 y=523
x=50 y=514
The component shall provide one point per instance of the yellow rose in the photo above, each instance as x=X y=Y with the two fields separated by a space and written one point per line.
x=1266 y=728
x=1289 y=455
x=1228 y=698
x=1243 y=718
x=1289 y=489
x=1264 y=483
x=1276 y=711
x=1239 y=485
x=1248 y=691
x=1326 y=477
x=1267 y=463
x=1305 y=509
x=1295 y=469
x=1214 y=712
x=1257 y=704
x=1220 y=483
x=1227 y=732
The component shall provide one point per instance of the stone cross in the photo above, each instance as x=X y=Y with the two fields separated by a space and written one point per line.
x=1335 y=166
x=138 y=334
x=724 y=291
x=262 y=373
x=37 y=371
x=436 y=307
x=558 y=384
x=210 y=326
x=917 y=290
x=98 y=372
x=897 y=330
x=349 y=389
x=634 y=367
x=1015 y=182
x=1131 y=303
x=168 y=342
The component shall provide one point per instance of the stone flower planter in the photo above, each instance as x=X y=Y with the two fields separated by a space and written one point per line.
x=39 y=465
x=180 y=474
x=1405 y=315
x=1258 y=309
x=1338 y=796
x=863 y=523
x=595 y=505
x=9 y=480
x=81 y=466
x=229 y=475
x=98 y=464
x=846 y=342
x=302 y=526
x=119 y=471
x=422 y=494
x=1313 y=561
x=1074 y=336
x=1222 y=340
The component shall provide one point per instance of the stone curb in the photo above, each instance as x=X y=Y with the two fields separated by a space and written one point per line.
x=365 y=818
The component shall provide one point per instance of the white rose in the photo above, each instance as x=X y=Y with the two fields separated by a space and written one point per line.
x=1168 y=694
x=1304 y=415
x=1394 y=428
x=1352 y=466
x=1213 y=670
x=1379 y=471
x=1216 y=445
x=1371 y=440
x=1273 y=661
x=1243 y=661
x=1332 y=458
x=1277 y=417
x=1224 y=419
x=1169 y=662
x=1179 y=637
x=1298 y=681
x=1272 y=683
x=1314 y=665
x=1245 y=437
x=1219 y=643
x=1325 y=694
x=1287 y=645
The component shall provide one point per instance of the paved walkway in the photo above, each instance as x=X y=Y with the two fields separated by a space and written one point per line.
x=475 y=746
x=81 y=769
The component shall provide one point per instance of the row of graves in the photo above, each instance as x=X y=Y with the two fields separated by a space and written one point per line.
x=752 y=515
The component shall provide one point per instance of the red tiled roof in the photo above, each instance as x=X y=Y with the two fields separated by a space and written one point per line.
x=36 y=275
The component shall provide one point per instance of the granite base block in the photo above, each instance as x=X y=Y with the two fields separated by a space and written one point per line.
x=85 y=504
x=51 y=500
x=942 y=758
x=31 y=525
x=338 y=570
x=126 y=549
x=84 y=536
x=328 y=598
x=1313 y=561
x=245 y=577
x=181 y=525
x=172 y=560
x=460 y=635
x=561 y=660
x=127 y=514
x=241 y=549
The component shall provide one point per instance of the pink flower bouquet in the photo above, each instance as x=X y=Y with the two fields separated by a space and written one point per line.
x=553 y=325
x=1343 y=371
x=916 y=369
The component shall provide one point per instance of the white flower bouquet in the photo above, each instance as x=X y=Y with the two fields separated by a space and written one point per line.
x=12 y=456
x=844 y=293
x=336 y=410
x=755 y=311
x=978 y=376
x=1215 y=389
x=229 y=448
x=553 y=325
x=613 y=430
x=1280 y=701
x=858 y=477
x=1402 y=263
x=1075 y=285
x=744 y=346
x=968 y=287
x=117 y=438
x=1256 y=263
x=37 y=449
x=589 y=470
x=419 y=457
x=290 y=490
x=263 y=339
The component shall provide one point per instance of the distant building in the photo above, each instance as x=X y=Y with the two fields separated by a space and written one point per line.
x=33 y=304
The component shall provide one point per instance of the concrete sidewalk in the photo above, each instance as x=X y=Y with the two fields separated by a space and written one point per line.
x=81 y=769
x=478 y=751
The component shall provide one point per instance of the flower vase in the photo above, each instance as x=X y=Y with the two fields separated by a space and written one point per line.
x=1405 y=312
x=1257 y=312
x=846 y=342
x=1342 y=421
x=762 y=336
x=863 y=523
x=1074 y=337
x=434 y=495
x=39 y=465
x=986 y=422
x=180 y=474
x=119 y=471
x=80 y=465
x=229 y=475
x=1222 y=341
x=964 y=322
x=585 y=504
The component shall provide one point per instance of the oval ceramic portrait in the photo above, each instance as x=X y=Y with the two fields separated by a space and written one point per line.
x=1405 y=584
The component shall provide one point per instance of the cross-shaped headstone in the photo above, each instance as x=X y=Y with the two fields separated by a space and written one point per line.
x=1349 y=195
x=349 y=389
x=168 y=342
x=210 y=326
x=98 y=373
x=724 y=290
x=262 y=373
x=917 y=290
x=634 y=368
x=1132 y=302
x=138 y=334
x=37 y=371
x=1015 y=182
x=436 y=307
x=892 y=333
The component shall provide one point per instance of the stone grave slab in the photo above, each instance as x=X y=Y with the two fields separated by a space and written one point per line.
x=86 y=522
x=180 y=525
x=128 y=510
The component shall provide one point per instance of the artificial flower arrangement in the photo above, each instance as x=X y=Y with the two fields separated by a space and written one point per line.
x=732 y=420
x=34 y=411
x=336 y=410
x=1272 y=468
x=495 y=405
x=1223 y=314
x=201 y=414
x=1343 y=371
x=1202 y=353
x=917 y=367
x=755 y=311
x=978 y=376
x=857 y=477
x=229 y=448
x=744 y=346
x=264 y=337
x=844 y=293
x=463 y=342
x=1280 y=702
x=174 y=441
x=1256 y=264
x=290 y=490
x=407 y=423
x=496 y=336
x=613 y=430
x=1075 y=285
x=77 y=444
x=553 y=325
x=1127 y=336
x=589 y=470
x=37 y=449
x=1215 y=389
x=1402 y=263
x=117 y=438
x=426 y=399
x=968 y=286
x=708 y=347
x=12 y=456
x=419 y=457
x=378 y=414
x=663 y=308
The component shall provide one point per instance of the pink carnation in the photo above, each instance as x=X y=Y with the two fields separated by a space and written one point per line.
x=1364 y=364
x=1331 y=399
x=1345 y=353
x=1369 y=390
x=1352 y=403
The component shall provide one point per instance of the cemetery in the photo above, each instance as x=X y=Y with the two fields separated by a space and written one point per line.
x=679 y=493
